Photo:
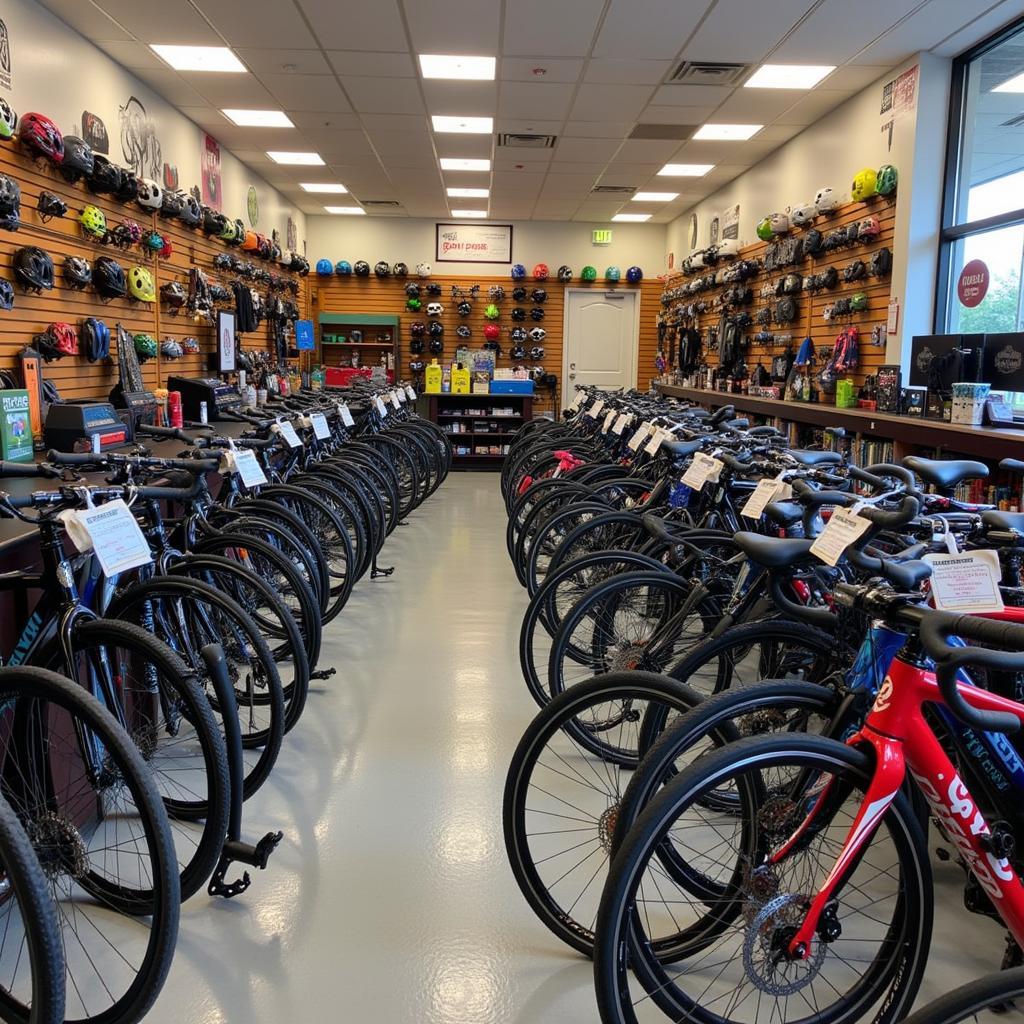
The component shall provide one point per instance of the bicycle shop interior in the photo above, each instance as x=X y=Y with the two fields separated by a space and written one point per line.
x=511 y=511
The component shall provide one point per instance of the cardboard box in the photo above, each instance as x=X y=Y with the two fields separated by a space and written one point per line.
x=511 y=387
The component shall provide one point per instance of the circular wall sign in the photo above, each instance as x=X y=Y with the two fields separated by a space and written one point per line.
x=972 y=287
x=254 y=206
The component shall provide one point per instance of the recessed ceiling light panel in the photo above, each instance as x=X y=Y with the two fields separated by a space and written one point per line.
x=469 y=213
x=284 y=157
x=198 y=58
x=469 y=193
x=788 y=76
x=685 y=170
x=636 y=218
x=654 y=197
x=346 y=211
x=324 y=186
x=454 y=163
x=259 y=118
x=434 y=65
x=727 y=132
x=463 y=125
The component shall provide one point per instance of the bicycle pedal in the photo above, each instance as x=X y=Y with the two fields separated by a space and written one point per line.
x=323 y=673
x=375 y=572
x=218 y=887
x=265 y=847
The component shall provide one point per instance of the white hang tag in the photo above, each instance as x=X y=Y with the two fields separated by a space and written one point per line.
x=639 y=436
x=658 y=437
x=620 y=423
x=287 y=431
x=595 y=408
x=379 y=402
x=968 y=582
x=704 y=468
x=394 y=400
x=402 y=396
x=581 y=397
x=111 y=531
x=842 y=529
x=608 y=421
x=248 y=467
x=950 y=538
x=321 y=428
x=346 y=415
x=763 y=495
x=410 y=392
x=304 y=422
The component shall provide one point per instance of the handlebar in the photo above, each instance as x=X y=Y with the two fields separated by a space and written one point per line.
x=26 y=470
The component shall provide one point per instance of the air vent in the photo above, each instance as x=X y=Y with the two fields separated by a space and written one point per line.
x=670 y=132
x=614 y=190
x=707 y=72
x=380 y=203
x=1014 y=122
x=518 y=140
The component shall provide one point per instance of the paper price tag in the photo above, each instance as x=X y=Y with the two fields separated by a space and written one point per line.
x=243 y=461
x=595 y=408
x=763 y=494
x=410 y=392
x=287 y=431
x=639 y=436
x=967 y=582
x=346 y=415
x=111 y=531
x=658 y=437
x=581 y=397
x=394 y=400
x=402 y=396
x=840 y=532
x=381 y=408
x=608 y=421
x=321 y=429
x=701 y=470
x=620 y=423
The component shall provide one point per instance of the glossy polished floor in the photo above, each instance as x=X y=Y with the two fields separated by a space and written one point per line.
x=390 y=901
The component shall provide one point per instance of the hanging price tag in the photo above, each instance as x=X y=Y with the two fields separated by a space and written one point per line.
x=966 y=583
x=840 y=532
x=287 y=431
x=658 y=437
x=620 y=423
x=701 y=470
x=608 y=421
x=581 y=397
x=595 y=408
x=410 y=392
x=394 y=400
x=243 y=461
x=346 y=415
x=402 y=396
x=321 y=429
x=111 y=531
x=379 y=402
x=763 y=494
x=639 y=436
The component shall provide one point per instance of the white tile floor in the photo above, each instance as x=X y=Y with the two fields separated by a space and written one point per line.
x=390 y=899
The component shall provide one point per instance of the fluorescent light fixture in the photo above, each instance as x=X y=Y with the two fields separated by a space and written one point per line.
x=685 y=170
x=346 y=211
x=636 y=218
x=463 y=125
x=469 y=193
x=1015 y=84
x=259 y=118
x=727 y=132
x=469 y=213
x=788 y=76
x=326 y=186
x=198 y=58
x=654 y=197
x=284 y=157
x=434 y=65
x=453 y=163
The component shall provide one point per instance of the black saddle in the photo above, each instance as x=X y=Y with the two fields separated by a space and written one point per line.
x=772 y=552
x=946 y=473
x=806 y=458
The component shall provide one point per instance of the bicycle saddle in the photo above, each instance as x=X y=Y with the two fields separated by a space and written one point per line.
x=1004 y=520
x=772 y=552
x=682 y=449
x=784 y=513
x=946 y=473
x=806 y=458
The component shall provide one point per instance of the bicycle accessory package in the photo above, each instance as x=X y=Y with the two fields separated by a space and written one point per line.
x=864 y=185
x=94 y=339
x=564 y=273
x=491 y=312
x=518 y=272
x=825 y=200
x=612 y=274
x=435 y=309
x=108 y=278
x=382 y=269
x=93 y=222
x=41 y=136
x=588 y=273
x=886 y=180
x=77 y=273
x=361 y=268
x=423 y=270
x=324 y=268
x=8 y=120
x=343 y=268
x=10 y=203
x=33 y=268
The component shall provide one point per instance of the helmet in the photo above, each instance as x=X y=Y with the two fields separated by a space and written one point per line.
x=436 y=345
x=518 y=351
x=324 y=268
x=412 y=289
x=191 y=213
x=250 y=243
x=858 y=302
x=492 y=312
x=825 y=199
x=154 y=241
x=39 y=134
x=237 y=228
x=361 y=268
x=423 y=270
x=779 y=223
x=634 y=275
x=213 y=220
x=436 y=329
x=343 y=268
x=78 y=160
x=433 y=288
x=140 y=285
x=298 y=263
x=864 y=185
x=6 y=294
x=463 y=331
x=518 y=313
x=492 y=332
x=126 y=234
x=564 y=273
x=464 y=308
x=519 y=293
x=612 y=274
x=518 y=272
x=228 y=231
x=8 y=120
x=540 y=272
x=537 y=313
x=77 y=273
x=400 y=270
x=93 y=221
x=885 y=180
x=537 y=352
x=190 y=346
x=381 y=269
x=801 y=214
x=105 y=177
x=145 y=346
x=434 y=309
x=171 y=206
x=173 y=296
x=417 y=329
x=518 y=334
x=33 y=268
x=417 y=365
x=94 y=338
x=764 y=229
x=170 y=349
x=64 y=338
x=588 y=273
x=108 y=278
x=539 y=295
x=413 y=304
x=868 y=229
x=10 y=203
x=416 y=344
x=538 y=334
x=127 y=187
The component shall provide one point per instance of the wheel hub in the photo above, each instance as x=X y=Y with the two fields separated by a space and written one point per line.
x=627 y=658
x=766 y=958
x=606 y=826
x=59 y=846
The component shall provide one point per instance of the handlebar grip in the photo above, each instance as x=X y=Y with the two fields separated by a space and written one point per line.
x=810 y=498
x=738 y=424
x=735 y=464
x=883 y=520
x=75 y=458
x=764 y=431
x=899 y=473
x=153 y=431
x=870 y=479
x=26 y=469
x=816 y=616
x=725 y=413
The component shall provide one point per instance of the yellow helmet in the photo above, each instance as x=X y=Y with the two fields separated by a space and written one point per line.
x=140 y=285
x=865 y=183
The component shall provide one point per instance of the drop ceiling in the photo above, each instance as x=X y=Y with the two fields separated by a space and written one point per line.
x=585 y=71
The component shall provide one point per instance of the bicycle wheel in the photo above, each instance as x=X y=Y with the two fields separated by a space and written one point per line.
x=748 y=888
x=562 y=800
x=31 y=956
x=91 y=809
x=985 y=1000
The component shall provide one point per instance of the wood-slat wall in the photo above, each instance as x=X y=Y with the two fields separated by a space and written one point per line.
x=809 y=321
x=76 y=377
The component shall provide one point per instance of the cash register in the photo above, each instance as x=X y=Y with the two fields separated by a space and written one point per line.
x=219 y=396
x=82 y=425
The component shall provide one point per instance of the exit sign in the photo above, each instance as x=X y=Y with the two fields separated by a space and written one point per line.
x=601 y=236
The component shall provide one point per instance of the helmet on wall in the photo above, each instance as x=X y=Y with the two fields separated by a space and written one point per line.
x=779 y=223
x=93 y=221
x=612 y=274
x=191 y=212
x=343 y=268
x=825 y=199
x=94 y=338
x=435 y=329
x=173 y=296
x=538 y=334
x=41 y=136
x=382 y=269
x=361 y=268
x=537 y=313
x=8 y=120
x=77 y=273
x=464 y=307
x=463 y=331
x=213 y=220
x=78 y=160
x=634 y=275
x=540 y=272
x=764 y=230
x=417 y=329
x=864 y=185
x=413 y=304
x=400 y=270
x=564 y=273
x=435 y=309
x=518 y=272
x=885 y=180
x=491 y=312
x=588 y=273
x=518 y=313
x=537 y=352
x=140 y=285
x=412 y=289
x=802 y=213
x=105 y=177
x=496 y=293
x=492 y=332
x=539 y=295
x=171 y=205
x=33 y=268
x=324 y=268
x=423 y=270
x=108 y=278
x=10 y=203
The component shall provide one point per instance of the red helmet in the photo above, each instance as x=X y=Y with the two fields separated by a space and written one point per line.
x=65 y=338
x=42 y=136
x=540 y=272
x=492 y=332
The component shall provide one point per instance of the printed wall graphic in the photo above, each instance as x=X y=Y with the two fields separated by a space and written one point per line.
x=713 y=229
x=693 y=231
x=899 y=99
x=171 y=177
x=473 y=243
x=252 y=205
x=292 y=236
x=6 y=73
x=139 y=143
x=94 y=133
x=209 y=168
x=731 y=222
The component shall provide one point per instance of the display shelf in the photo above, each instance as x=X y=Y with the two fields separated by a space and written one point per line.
x=466 y=416
x=435 y=403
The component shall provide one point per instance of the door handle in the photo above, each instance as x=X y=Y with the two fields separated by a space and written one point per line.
x=572 y=376
x=572 y=366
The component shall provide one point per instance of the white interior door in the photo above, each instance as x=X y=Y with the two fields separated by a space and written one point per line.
x=601 y=340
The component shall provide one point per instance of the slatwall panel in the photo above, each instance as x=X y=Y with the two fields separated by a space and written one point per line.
x=809 y=320
x=76 y=377
x=650 y=303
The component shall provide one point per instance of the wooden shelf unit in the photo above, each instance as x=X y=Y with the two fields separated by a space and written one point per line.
x=332 y=351
x=445 y=408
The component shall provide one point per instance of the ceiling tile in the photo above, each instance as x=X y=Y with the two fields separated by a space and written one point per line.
x=273 y=61
x=653 y=151
x=373 y=65
x=582 y=129
x=88 y=19
x=167 y=23
x=375 y=26
x=569 y=184
x=647 y=28
x=763 y=25
x=172 y=87
x=396 y=122
x=675 y=115
x=527 y=126
x=472 y=146
x=307 y=92
x=521 y=69
x=709 y=152
x=984 y=24
x=510 y=157
x=586 y=149
x=511 y=179
x=391 y=143
x=852 y=78
x=618 y=102
x=628 y=173
x=468 y=99
x=278 y=24
x=454 y=26
x=315 y=120
x=383 y=95
x=565 y=29
x=575 y=167
x=230 y=90
x=534 y=99
x=812 y=107
x=347 y=145
x=779 y=133
x=684 y=95
x=204 y=116
x=756 y=106
x=130 y=54
x=626 y=72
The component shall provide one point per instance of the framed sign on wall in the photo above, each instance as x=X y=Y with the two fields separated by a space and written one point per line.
x=474 y=243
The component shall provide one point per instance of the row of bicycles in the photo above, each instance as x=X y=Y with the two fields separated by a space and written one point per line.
x=768 y=681
x=157 y=652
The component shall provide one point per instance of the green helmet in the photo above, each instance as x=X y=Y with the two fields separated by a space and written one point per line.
x=145 y=345
x=588 y=274
x=491 y=312
x=612 y=274
x=858 y=303
x=93 y=221
x=413 y=305
x=230 y=232
x=886 y=180
x=764 y=229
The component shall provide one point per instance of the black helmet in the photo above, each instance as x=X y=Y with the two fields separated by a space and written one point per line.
x=78 y=160
x=381 y=269
x=537 y=352
x=518 y=351
x=412 y=289
x=173 y=295
x=436 y=329
x=518 y=334
x=191 y=212
x=10 y=203
x=539 y=296
x=564 y=273
x=433 y=288
x=50 y=205
x=464 y=308
x=519 y=293
x=463 y=331
x=537 y=313
x=436 y=346
x=171 y=204
x=417 y=365
x=6 y=294
x=77 y=273
x=418 y=329
x=127 y=190
x=108 y=278
x=33 y=268
x=361 y=268
x=213 y=221
x=518 y=313
x=400 y=270
x=105 y=177
x=416 y=344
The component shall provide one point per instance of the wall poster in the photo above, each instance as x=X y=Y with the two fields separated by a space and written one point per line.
x=209 y=169
x=731 y=222
x=474 y=243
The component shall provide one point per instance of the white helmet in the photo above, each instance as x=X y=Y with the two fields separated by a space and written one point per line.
x=151 y=196
x=779 y=223
x=423 y=269
x=434 y=309
x=697 y=260
x=728 y=248
x=538 y=334
x=803 y=213
x=825 y=200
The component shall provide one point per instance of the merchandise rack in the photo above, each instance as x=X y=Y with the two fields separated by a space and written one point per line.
x=449 y=409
